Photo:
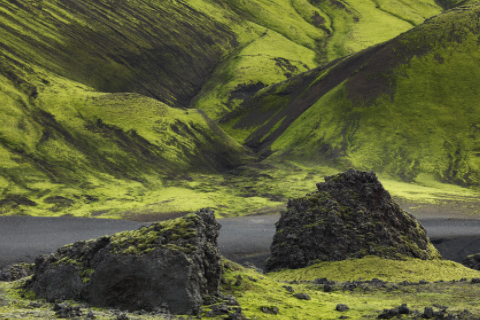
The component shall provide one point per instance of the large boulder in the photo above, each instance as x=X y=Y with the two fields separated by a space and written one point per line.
x=350 y=216
x=169 y=266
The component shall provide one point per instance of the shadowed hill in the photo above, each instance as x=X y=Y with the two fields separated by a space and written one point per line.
x=408 y=107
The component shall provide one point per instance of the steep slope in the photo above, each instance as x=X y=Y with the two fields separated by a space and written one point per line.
x=408 y=107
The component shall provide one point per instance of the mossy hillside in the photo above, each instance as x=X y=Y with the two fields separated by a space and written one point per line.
x=146 y=47
x=71 y=146
x=434 y=135
x=66 y=148
x=399 y=108
x=293 y=37
x=150 y=47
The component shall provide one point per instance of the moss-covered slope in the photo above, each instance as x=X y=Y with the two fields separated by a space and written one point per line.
x=67 y=136
x=408 y=107
x=87 y=88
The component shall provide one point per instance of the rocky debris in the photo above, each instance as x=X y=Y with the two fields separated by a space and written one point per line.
x=302 y=296
x=428 y=313
x=67 y=311
x=328 y=288
x=237 y=315
x=342 y=307
x=351 y=215
x=171 y=265
x=289 y=289
x=269 y=310
x=349 y=286
x=16 y=271
x=220 y=309
x=324 y=281
x=224 y=309
x=390 y=313
x=472 y=261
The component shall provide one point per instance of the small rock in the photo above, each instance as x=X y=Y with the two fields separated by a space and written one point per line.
x=302 y=296
x=341 y=307
x=428 y=312
x=289 y=289
x=239 y=280
x=349 y=286
x=475 y=280
x=237 y=315
x=231 y=301
x=403 y=309
x=35 y=305
x=327 y=288
x=269 y=310
x=219 y=310
x=122 y=316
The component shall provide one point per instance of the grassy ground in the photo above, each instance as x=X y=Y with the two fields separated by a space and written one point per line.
x=256 y=291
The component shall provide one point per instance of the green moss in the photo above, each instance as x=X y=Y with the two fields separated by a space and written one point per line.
x=67 y=261
x=144 y=240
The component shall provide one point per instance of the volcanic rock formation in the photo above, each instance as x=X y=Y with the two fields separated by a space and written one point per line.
x=350 y=216
x=170 y=265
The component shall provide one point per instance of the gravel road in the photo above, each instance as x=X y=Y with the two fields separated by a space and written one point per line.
x=245 y=239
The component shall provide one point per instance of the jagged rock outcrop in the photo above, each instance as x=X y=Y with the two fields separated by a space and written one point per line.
x=350 y=216
x=169 y=266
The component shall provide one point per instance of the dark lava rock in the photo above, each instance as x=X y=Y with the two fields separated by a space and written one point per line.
x=269 y=310
x=289 y=289
x=390 y=313
x=170 y=265
x=16 y=271
x=350 y=216
x=328 y=288
x=341 y=307
x=237 y=315
x=472 y=261
x=219 y=310
x=428 y=312
x=302 y=296
x=66 y=311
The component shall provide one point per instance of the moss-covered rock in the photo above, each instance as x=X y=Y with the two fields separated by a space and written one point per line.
x=16 y=271
x=169 y=265
x=350 y=216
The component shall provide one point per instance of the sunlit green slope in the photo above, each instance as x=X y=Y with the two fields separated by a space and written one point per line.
x=409 y=107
